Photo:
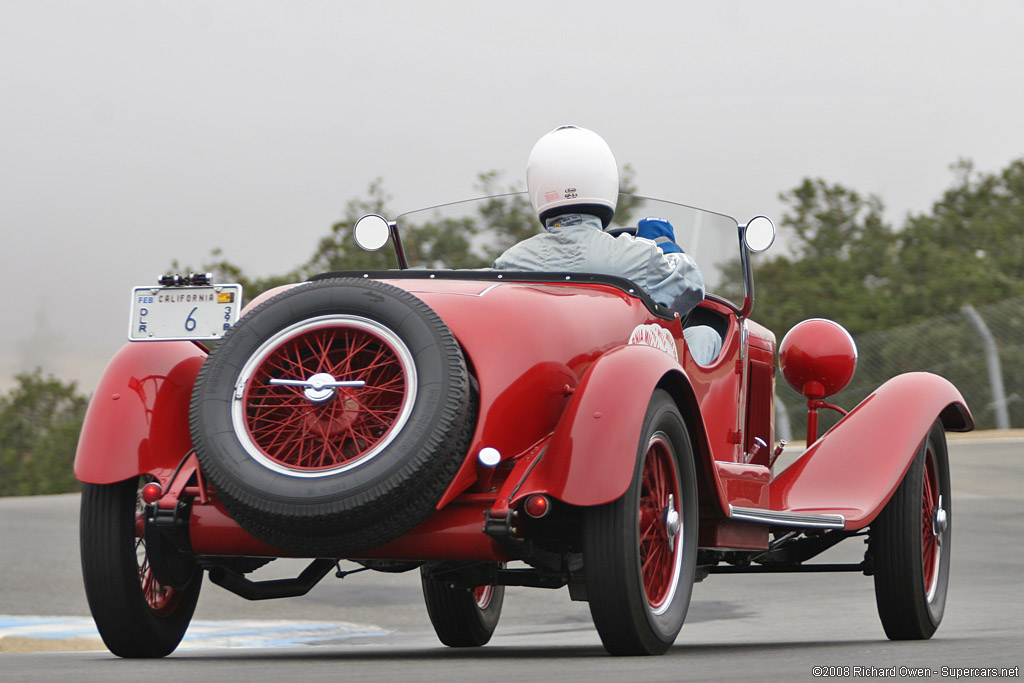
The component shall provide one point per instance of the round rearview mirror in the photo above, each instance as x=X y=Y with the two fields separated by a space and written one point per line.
x=371 y=232
x=759 y=234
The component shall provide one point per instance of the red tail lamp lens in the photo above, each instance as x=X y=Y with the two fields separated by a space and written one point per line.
x=151 y=493
x=537 y=505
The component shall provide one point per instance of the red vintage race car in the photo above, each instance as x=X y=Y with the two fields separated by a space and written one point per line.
x=492 y=428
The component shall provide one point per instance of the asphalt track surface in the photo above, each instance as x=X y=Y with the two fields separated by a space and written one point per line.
x=373 y=626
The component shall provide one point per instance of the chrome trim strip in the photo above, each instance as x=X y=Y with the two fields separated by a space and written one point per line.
x=441 y=291
x=791 y=519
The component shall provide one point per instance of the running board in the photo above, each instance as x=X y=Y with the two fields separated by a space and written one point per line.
x=789 y=519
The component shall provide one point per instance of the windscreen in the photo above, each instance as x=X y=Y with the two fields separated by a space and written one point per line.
x=471 y=234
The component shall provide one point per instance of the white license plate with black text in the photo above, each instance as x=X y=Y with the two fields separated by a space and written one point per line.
x=183 y=313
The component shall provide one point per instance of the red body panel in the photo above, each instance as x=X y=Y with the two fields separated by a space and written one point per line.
x=743 y=485
x=137 y=420
x=568 y=335
x=592 y=454
x=213 y=532
x=856 y=466
x=454 y=533
x=717 y=389
x=525 y=385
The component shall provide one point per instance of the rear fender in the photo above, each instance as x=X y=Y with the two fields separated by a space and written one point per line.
x=137 y=421
x=592 y=453
x=855 y=468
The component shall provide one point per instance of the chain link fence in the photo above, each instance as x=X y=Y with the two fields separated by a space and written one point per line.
x=980 y=351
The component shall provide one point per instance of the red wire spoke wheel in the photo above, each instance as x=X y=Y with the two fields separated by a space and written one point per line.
x=932 y=518
x=331 y=418
x=659 y=525
x=640 y=550
x=910 y=545
x=294 y=417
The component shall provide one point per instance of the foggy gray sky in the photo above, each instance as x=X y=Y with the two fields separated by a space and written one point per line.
x=133 y=133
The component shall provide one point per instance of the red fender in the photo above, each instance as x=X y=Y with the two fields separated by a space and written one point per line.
x=592 y=453
x=137 y=420
x=856 y=466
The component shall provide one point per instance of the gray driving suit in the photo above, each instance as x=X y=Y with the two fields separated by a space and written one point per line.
x=577 y=243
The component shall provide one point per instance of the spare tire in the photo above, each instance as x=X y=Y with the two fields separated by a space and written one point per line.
x=331 y=418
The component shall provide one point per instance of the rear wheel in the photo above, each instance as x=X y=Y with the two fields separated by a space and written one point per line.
x=910 y=544
x=141 y=590
x=462 y=617
x=640 y=550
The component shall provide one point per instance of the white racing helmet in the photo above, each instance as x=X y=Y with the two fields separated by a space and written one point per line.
x=572 y=169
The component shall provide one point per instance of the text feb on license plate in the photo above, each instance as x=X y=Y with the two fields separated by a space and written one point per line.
x=183 y=313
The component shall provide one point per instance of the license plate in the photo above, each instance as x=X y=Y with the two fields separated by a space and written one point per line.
x=183 y=313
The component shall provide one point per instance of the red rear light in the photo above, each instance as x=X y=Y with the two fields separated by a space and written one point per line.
x=151 y=493
x=537 y=505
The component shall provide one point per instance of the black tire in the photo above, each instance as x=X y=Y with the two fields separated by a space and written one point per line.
x=332 y=476
x=462 y=617
x=137 y=615
x=640 y=612
x=910 y=545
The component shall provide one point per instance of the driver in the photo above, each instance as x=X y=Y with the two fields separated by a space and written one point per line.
x=573 y=182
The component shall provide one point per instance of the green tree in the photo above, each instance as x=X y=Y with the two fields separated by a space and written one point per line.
x=840 y=264
x=40 y=420
x=847 y=264
x=969 y=248
x=900 y=292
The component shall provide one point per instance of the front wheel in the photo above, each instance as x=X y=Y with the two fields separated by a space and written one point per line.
x=640 y=550
x=462 y=617
x=137 y=613
x=910 y=542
